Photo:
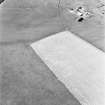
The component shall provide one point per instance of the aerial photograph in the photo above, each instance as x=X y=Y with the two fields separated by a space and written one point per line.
x=52 y=52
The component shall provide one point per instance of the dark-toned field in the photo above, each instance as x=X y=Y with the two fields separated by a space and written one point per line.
x=26 y=80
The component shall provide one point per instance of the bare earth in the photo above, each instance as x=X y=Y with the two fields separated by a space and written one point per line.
x=24 y=78
x=31 y=21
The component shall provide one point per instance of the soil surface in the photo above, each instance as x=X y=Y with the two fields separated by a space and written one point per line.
x=26 y=80
x=29 y=21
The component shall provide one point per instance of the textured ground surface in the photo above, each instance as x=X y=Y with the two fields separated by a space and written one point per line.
x=26 y=80
x=30 y=21
x=24 y=77
x=76 y=63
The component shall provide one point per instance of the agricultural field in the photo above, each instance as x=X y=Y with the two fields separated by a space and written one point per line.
x=30 y=21
x=24 y=78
